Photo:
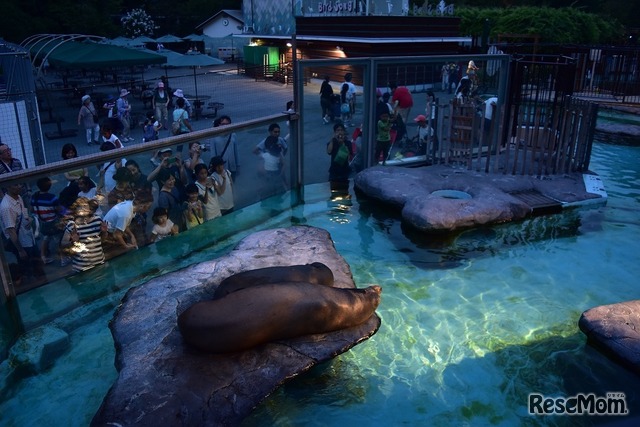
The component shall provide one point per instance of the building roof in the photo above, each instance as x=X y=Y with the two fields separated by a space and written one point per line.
x=235 y=14
x=386 y=40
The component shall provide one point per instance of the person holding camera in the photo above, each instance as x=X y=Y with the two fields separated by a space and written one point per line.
x=165 y=161
x=223 y=184
x=195 y=158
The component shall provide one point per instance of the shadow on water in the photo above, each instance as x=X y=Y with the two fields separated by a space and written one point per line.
x=451 y=250
x=341 y=385
x=617 y=139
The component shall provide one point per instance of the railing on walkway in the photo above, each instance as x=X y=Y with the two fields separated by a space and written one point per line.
x=254 y=188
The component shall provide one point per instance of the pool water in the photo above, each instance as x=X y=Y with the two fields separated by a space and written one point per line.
x=471 y=323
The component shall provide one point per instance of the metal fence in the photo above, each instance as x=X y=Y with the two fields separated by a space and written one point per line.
x=606 y=74
x=538 y=127
x=253 y=105
x=19 y=118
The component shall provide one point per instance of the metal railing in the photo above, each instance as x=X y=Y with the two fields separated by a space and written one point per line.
x=141 y=153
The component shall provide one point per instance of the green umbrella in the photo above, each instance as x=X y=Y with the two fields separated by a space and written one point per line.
x=140 y=40
x=194 y=60
x=97 y=55
x=169 y=38
x=195 y=37
x=120 y=41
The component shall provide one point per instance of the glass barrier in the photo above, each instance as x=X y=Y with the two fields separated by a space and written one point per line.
x=65 y=223
x=436 y=106
x=102 y=218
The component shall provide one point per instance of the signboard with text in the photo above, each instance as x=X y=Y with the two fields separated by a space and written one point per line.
x=371 y=7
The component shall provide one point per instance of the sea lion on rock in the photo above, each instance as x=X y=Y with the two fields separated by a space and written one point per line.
x=316 y=273
x=260 y=314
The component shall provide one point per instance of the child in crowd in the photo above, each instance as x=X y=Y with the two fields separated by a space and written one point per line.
x=122 y=191
x=223 y=184
x=88 y=189
x=383 y=139
x=109 y=136
x=151 y=128
x=208 y=191
x=163 y=226
x=47 y=209
x=192 y=208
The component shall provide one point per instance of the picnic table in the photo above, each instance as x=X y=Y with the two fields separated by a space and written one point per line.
x=215 y=106
x=198 y=103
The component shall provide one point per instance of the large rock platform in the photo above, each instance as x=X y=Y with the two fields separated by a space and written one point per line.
x=615 y=330
x=163 y=382
x=492 y=198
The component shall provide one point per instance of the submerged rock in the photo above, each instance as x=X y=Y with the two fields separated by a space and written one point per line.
x=490 y=198
x=615 y=330
x=161 y=380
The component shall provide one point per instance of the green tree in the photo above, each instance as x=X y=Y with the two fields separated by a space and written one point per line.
x=137 y=23
x=623 y=11
x=563 y=25
x=21 y=19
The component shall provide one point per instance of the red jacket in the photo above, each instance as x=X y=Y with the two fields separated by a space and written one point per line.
x=403 y=96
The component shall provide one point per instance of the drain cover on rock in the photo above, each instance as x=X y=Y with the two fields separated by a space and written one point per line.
x=451 y=194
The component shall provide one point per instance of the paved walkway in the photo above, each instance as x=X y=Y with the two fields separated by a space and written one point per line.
x=244 y=99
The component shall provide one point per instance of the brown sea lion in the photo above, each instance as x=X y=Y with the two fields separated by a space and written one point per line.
x=260 y=314
x=316 y=273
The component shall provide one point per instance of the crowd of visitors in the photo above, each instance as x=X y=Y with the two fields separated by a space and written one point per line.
x=101 y=214
x=104 y=213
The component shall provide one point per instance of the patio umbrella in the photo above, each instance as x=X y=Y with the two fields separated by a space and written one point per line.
x=120 y=41
x=169 y=38
x=172 y=59
x=195 y=37
x=194 y=60
x=143 y=39
x=97 y=55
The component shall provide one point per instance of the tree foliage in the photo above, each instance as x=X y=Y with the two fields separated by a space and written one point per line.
x=563 y=25
x=20 y=19
x=137 y=23
x=557 y=21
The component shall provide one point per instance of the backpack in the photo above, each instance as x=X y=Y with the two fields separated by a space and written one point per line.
x=176 y=125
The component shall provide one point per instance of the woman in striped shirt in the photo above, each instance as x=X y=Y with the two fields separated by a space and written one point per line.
x=82 y=238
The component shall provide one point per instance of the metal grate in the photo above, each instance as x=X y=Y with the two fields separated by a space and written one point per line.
x=540 y=204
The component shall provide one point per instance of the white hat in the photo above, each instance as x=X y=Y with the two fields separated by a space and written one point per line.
x=124 y=92
x=85 y=98
x=178 y=93
x=165 y=150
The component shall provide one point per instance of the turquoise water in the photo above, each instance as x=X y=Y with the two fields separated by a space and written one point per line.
x=471 y=324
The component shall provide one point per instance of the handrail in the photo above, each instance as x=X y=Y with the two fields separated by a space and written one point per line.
x=92 y=159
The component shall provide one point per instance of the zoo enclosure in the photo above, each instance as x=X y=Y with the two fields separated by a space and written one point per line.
x=309 y=135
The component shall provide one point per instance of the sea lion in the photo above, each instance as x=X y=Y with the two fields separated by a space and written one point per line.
x=316 y=273
x=260 y=314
